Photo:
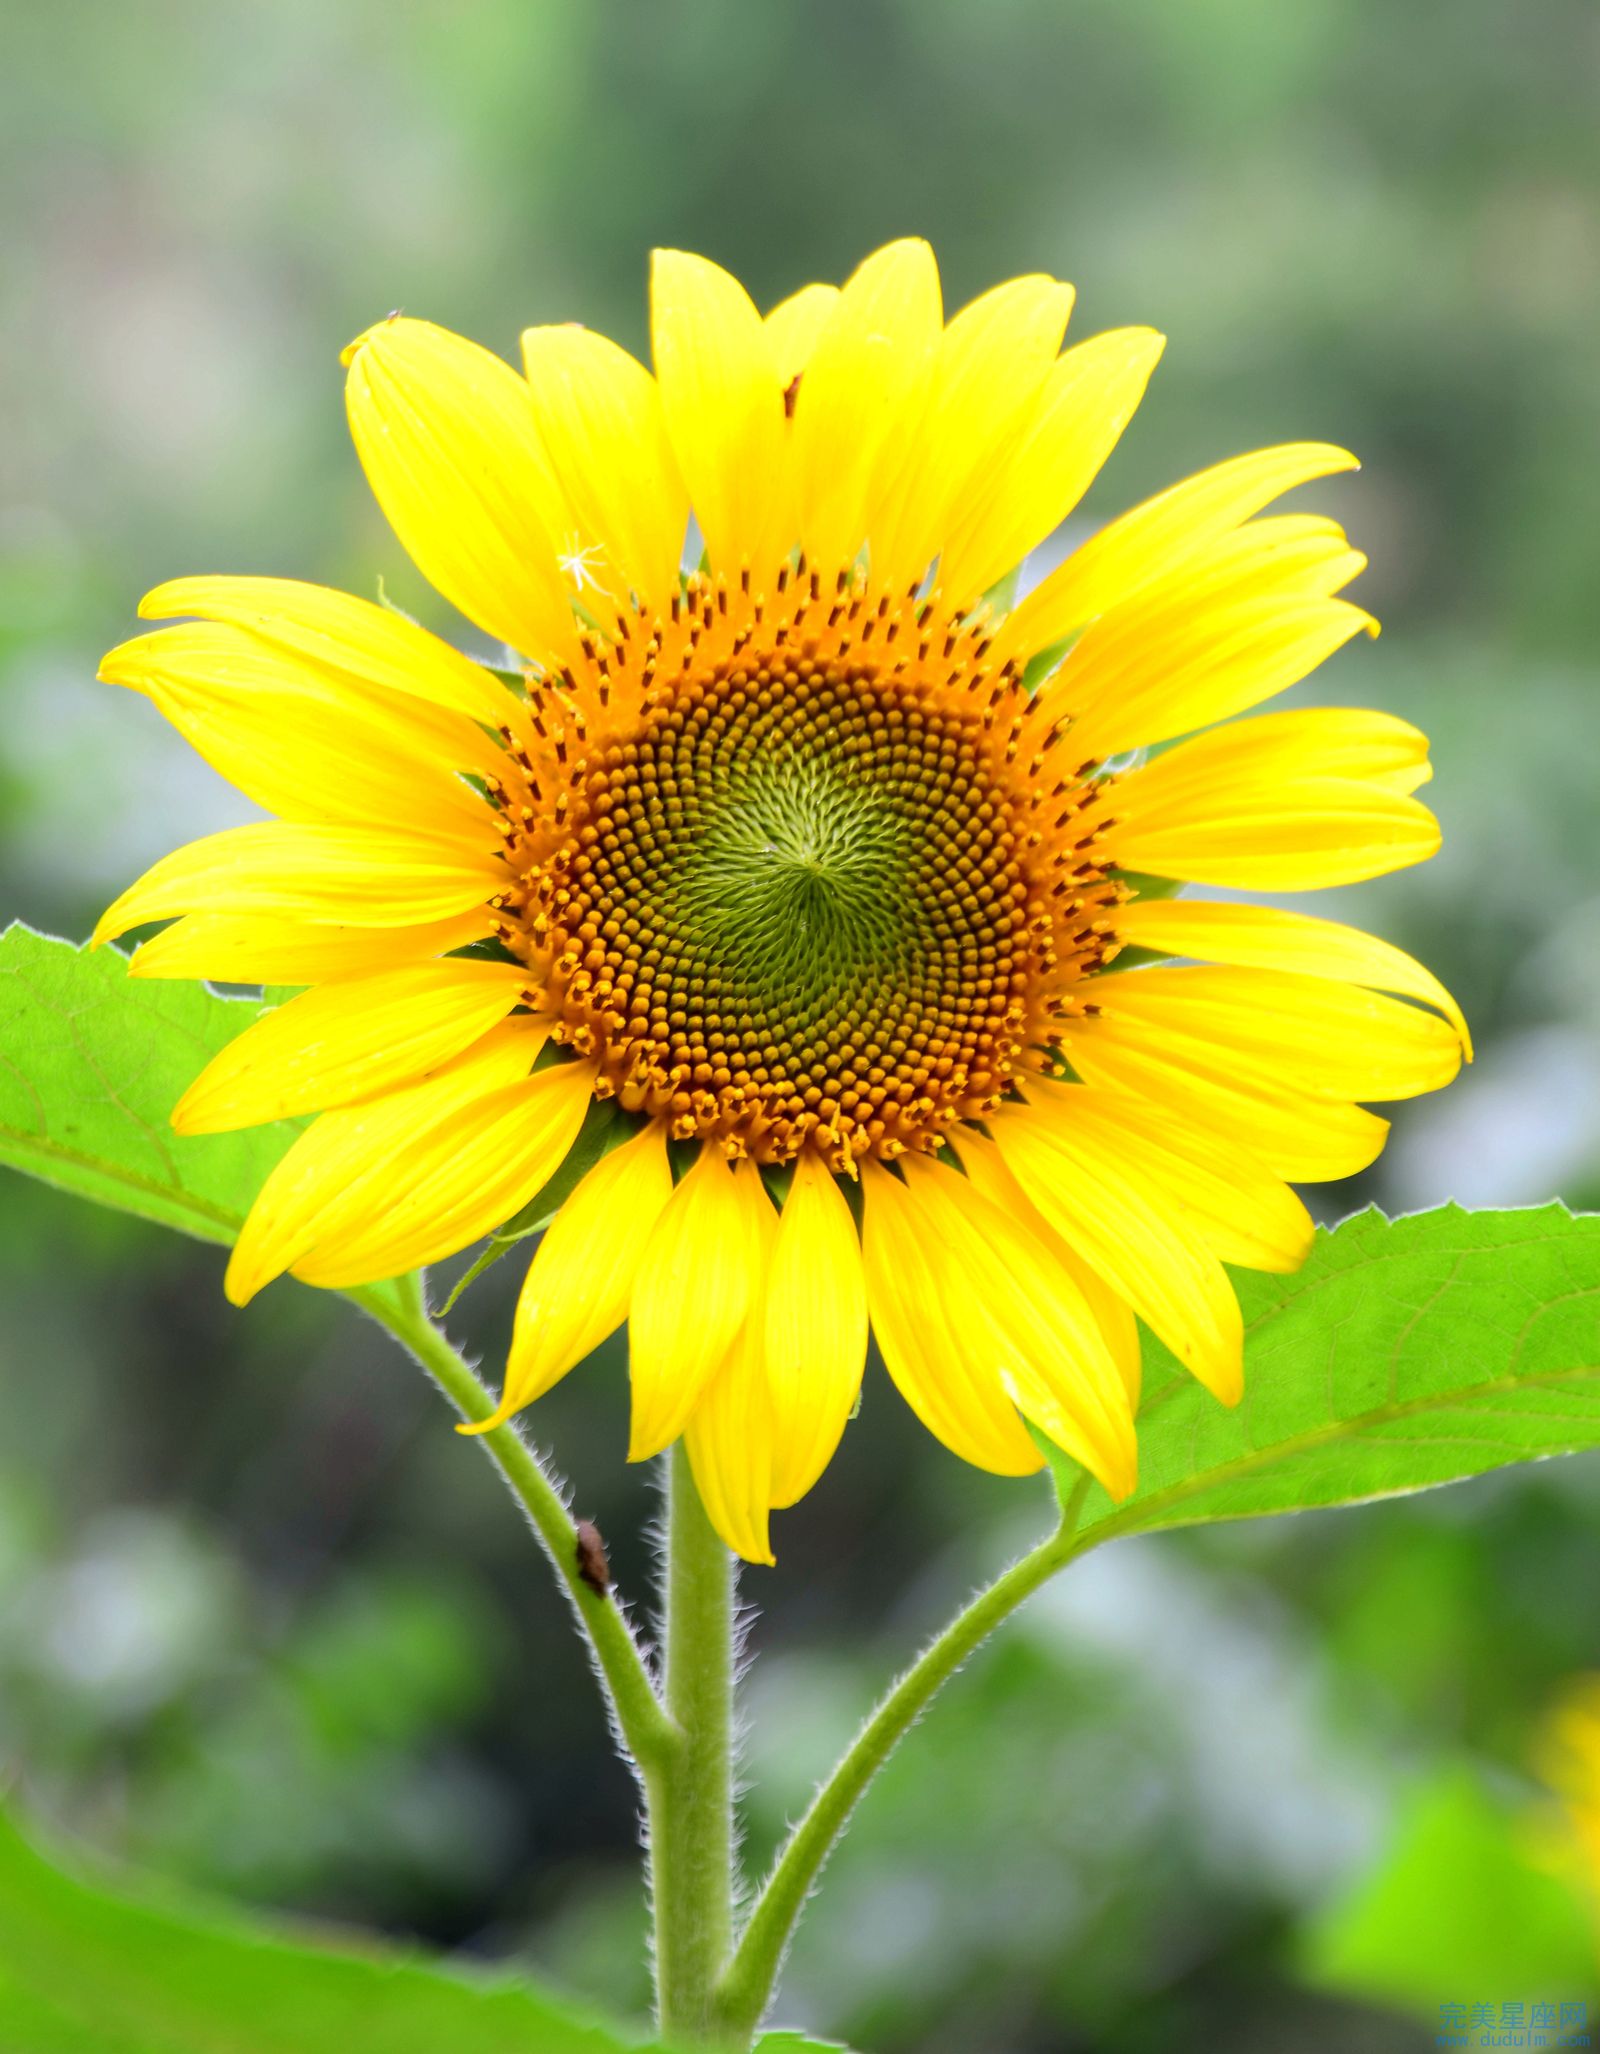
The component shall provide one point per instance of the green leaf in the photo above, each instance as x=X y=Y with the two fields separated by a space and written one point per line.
x=1405 y=1353
x=1144 y=886
x=1043 y=661
x=1065 y=1475
x=1461 y=1907
x=89 y=1970
x=92 y=1063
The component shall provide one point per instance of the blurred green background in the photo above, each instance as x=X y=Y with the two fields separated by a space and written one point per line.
x=266 y=1625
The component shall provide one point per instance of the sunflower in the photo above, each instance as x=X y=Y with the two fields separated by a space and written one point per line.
x=793 y=897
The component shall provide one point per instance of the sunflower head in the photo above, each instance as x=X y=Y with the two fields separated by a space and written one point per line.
x=809 y=854
x=799 y=869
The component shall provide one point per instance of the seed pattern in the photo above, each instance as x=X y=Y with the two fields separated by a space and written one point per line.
x=802 y=871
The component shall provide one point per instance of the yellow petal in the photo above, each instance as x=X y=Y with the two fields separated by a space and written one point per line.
x=1290 y=1127
x=960 y=1403
x=302 y=744
x=1237 y=1207
x=365 y=877
x=349 y=1165
x=347 y=1041
x=1014 y=1313
x=993 y=359
x=601 y=420
x=722 y=392
x=1139 y=677
x=582 y=1274
x=1307 y=1032
x=260 y=949
x=1268 y=938
x=1136 y=1238
x=816 y=1328
x=794 y=325
x=731 y=1434
x=1290 y=802
x=696 y=1283
x=863 y=399
x=985 y=1165
x=338 y=633
x=1157 y=537
x=448 y=439
x=444 y=1189
x=1088 y=399
x=1317 y=741
x=1286 y=556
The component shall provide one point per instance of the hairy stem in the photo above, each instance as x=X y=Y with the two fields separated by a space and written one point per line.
x=645 y=1729
x=747 y=1986
x=692 y=1847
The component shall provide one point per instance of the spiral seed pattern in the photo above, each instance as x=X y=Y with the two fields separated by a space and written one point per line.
x=794 y=884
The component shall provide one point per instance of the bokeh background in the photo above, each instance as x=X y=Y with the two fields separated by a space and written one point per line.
x=267 y=1626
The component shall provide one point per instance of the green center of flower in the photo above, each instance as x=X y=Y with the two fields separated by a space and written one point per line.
x=804 y=855
x=803 y=908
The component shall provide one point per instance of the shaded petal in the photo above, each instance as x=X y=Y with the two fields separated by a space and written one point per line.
x=261 y=949
x=731 y=1434
x=1268 y=938
x=1307 y=1032
x=1302 y=837
x=1313 y=741
x=347 y=1041
x=993 y=359
x=339 y=633
x=1242 y=1212
x=448 y=438
x=723 y=396
x=341 y=1168
x=1016 y=1314
x=1295 y=1130
x=1089 y=398
x=604 y=430
x=1157 y=537
x=1129 y=1230
x=304 y=743
x=985 y=1165
x=863 y=399
x=960 y=1403
x=449 y=1185
x=696 y=1284
x=1289 y=802
x=1201 y=649
x=362 y=877
x=794 y=325
x=816 y=1328
x=581 y=1278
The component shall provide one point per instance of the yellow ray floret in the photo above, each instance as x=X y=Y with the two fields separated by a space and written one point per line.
x=815 y=1336
x=349 y=1040
x=580 y=1282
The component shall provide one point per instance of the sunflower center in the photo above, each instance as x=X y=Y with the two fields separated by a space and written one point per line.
x=795 y=895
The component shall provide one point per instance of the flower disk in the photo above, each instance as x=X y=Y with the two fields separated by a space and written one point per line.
x=829 y=884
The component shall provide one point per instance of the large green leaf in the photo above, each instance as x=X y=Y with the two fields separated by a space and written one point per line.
x=1404 y=1353
x=86 y=1969
x=92 y=1063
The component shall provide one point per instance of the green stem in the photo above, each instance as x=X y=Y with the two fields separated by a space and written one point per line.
x=691 y=1816
x=746 y=1988
x=646 y=1731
